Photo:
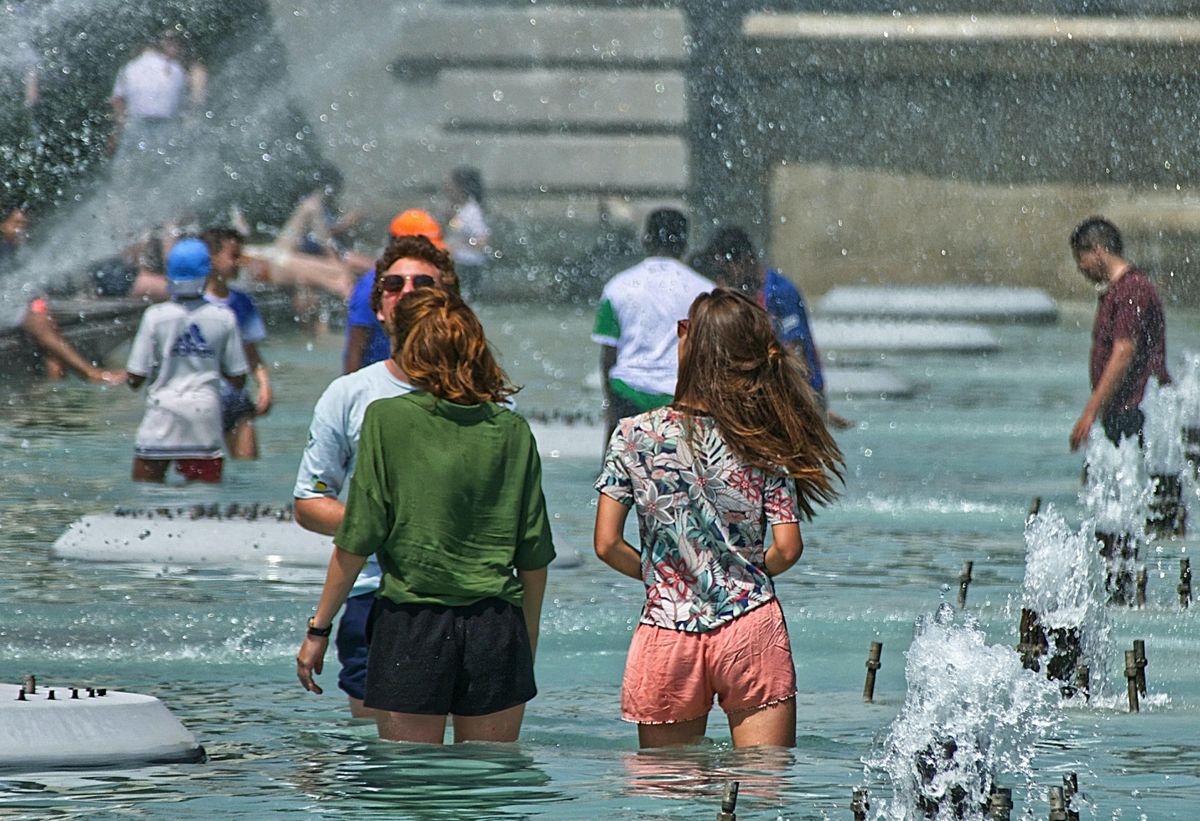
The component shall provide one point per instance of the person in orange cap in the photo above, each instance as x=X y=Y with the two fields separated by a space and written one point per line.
x=366 y=340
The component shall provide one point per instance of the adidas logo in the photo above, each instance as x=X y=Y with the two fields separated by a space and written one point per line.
x=191 y=343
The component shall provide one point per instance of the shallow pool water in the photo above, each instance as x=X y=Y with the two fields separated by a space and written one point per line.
x=932 y=482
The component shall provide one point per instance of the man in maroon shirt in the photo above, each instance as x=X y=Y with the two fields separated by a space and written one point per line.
x=1129 y=336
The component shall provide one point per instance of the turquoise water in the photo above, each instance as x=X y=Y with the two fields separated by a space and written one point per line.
x=932 y=482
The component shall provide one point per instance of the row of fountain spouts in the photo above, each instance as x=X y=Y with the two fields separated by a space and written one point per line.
x=1000 y=803
x=249 y=512
x=29 y=688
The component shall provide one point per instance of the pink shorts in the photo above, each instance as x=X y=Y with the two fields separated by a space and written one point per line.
x=672 y=675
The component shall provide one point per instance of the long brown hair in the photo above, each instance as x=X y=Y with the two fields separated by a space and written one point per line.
x=733 y=367
x=445 y=351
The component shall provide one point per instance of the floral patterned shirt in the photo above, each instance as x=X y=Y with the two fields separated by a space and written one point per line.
x=702 y=516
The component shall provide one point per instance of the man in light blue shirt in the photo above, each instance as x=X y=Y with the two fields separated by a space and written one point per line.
x=408 y=263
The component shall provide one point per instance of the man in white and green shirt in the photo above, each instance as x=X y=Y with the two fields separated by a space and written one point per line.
x=635 y=323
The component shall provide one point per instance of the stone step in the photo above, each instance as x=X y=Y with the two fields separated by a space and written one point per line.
x=548 y=98
x=514 y=163
x=562 y=36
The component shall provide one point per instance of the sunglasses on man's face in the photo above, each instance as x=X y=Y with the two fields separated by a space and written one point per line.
x=393 y=283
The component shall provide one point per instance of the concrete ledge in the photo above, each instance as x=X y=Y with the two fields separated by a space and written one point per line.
x=560 y=36
x=524 y=163
x=547 y=98
x=1021 y=45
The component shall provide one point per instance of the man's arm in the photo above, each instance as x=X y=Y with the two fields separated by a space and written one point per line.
x=356 y=348
x=262 y=402
x=322 y=514
x=608 y=358
x=1118 y=365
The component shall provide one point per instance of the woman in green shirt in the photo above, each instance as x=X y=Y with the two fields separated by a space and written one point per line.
x=447 y=492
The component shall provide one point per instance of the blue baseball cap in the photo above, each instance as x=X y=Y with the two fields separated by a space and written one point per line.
x=188 y=266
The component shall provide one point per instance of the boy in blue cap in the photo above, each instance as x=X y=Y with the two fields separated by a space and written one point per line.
x=184 y=346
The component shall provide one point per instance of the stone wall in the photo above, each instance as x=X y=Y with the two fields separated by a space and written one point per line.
x=853 y=226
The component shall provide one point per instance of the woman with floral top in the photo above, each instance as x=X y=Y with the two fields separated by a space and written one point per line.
x=743 y=445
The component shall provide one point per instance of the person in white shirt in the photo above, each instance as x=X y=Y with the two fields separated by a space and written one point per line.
x=409 y=263
x=467 y=233
x=150 y=99
x=636 y=321
x=185 y=347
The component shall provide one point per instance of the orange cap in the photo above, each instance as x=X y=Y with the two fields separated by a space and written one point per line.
x=416 y=222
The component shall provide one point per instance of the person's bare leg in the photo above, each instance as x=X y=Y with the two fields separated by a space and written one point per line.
x=676 y=734
x=504 y=725
x=150 y=470
x=420 y=729
x=772 y=726
x=360 y=710
x=289 y=268
x=242 y=441
x=55 y=369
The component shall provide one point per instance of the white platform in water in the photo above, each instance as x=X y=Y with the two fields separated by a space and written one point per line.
x=114 y=730
x=913 y=337
x=174 y=537
x=866 y=382
x=980 y=303
x=179 y=539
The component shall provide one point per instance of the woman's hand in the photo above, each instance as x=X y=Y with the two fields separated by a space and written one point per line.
x=310 y=661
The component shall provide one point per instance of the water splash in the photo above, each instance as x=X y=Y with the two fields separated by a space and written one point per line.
x=972 y=714
x=1117 y=493
x=1064 y=586
x=1164 y=421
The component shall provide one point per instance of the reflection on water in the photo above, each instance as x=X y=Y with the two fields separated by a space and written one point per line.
x=423 y=781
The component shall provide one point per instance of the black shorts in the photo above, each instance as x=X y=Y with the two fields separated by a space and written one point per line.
x=1124 y=424
x=236 y=407
x=432 y=659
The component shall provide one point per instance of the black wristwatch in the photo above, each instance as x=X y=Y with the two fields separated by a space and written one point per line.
x=320 y=632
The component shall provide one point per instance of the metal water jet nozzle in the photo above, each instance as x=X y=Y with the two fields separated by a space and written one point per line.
x=964 y=582
x=1131 y=676
x=29 y=685
x=1139 y=654
x=1000 y=804
x=1083 y=681
x=1058 y=804
x=1035 y=507
x=1185 y=582
x=1139 y=597
x=873 y=664
x=860 y=804
x=1120 y=552
x=1070 y=790
x=729 y=802
x=1168 y=514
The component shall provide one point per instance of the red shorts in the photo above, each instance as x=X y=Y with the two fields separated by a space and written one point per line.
x=672 y=675
x=200 y=470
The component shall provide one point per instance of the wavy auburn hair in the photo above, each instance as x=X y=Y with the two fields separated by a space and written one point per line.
x=755 y=390
x=444 y=350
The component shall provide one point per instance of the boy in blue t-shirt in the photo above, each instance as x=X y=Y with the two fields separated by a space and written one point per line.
x=237 y=408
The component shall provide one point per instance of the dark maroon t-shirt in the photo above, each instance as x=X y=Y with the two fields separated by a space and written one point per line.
x=1130 y=309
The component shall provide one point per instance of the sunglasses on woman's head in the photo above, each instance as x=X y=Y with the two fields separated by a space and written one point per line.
x=681 y=327
x=395 y=282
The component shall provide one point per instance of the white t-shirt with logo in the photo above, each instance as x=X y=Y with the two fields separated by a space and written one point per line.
x=184 y=347
x=152 y=86
x=638 y=311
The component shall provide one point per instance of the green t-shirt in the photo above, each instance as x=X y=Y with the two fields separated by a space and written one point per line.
x=450 y=498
